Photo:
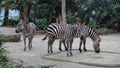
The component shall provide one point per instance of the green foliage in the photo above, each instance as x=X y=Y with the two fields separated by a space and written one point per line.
x=3 y=56
x=11 y=22
x=114 y=12
x=1 y=40
x=41 y=24
x=43 y=11
x=94 y=24
x=71 y=19
x=7 y=66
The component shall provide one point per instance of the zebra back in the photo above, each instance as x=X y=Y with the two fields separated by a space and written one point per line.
x=55 y=30
x=88 y=31
x=61 y=30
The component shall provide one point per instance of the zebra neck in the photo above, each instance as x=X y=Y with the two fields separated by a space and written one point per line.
x=94 y=37
x=73 y=32
x=92 y=33
x=26 y=29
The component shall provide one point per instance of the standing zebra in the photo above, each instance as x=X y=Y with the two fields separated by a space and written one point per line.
x=28 y=31
x=64 y=32
x=87 y=31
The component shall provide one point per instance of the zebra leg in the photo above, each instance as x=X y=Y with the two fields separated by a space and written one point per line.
x=84 y=43
x=48 y=46
x=81 y=41
x=60 y=42
x=50 y=42
x=80 y=45
x=64 y=45
x=30 y=43
x=68 y=47
x=24 y=43
x=71 y=41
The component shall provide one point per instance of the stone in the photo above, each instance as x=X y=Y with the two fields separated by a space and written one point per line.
x=11 y=37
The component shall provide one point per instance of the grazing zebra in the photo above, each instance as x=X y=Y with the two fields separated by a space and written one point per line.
x=87 y=31
x=28 y=31
x=64 y=32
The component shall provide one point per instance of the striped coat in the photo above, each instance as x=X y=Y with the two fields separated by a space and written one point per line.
x=65 y=32
x=87 y=31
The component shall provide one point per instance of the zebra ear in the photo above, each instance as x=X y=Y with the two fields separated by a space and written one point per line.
x=21 y=20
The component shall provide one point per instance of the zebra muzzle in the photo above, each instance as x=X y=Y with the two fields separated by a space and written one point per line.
x=97 y=51
x=16 y=31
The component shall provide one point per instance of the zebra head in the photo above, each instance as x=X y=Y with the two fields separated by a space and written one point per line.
x=96 y=45
x=20 y=26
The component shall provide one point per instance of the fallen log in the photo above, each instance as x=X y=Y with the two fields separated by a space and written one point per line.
x=11 y=37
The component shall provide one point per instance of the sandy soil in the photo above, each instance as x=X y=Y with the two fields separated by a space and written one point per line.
x=34 y=57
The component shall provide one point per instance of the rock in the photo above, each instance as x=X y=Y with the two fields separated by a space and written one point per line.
x=11 y=37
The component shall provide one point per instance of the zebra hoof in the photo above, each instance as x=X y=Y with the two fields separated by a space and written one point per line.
x=85 y=50
x=80 y=50
x=25 y=49
x=71 y=54
x=66 y=49
x=51 y=51
x=60 y=49
x=48 y=51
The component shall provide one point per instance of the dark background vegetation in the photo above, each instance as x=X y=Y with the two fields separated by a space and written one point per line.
x=97 y=13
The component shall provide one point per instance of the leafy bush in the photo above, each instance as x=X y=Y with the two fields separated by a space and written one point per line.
x=71 y=19
x=114 y=14
x=94 y=24
x=3 y=55
x=1 y=40
x=41 y=24
x=12 y=22
x=7 y=66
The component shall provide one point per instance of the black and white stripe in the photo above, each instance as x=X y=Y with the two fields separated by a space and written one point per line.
x=87 y=31
x=65 y=32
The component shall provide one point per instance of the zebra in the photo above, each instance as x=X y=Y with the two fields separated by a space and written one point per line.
x=28 y=32
x=87 y=31
x=64 y=32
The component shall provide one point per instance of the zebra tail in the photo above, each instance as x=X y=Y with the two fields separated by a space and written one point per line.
x=45 y=37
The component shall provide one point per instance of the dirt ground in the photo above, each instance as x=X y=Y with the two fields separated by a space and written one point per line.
x=109 y=43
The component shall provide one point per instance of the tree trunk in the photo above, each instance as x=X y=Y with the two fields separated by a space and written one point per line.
x=5 y=21
x=64 y=11
x=26 y=11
